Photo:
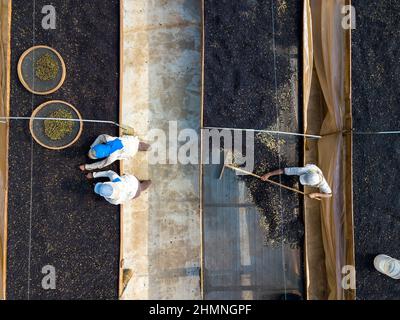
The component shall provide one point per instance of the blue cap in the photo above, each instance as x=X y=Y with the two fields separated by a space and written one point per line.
x=104 y=190
x=101 y=151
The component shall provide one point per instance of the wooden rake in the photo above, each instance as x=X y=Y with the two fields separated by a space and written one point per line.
x=230 y=166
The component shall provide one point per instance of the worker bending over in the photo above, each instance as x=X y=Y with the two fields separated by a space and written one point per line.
x=111 y=149
x=310 y=176
x=120 y=189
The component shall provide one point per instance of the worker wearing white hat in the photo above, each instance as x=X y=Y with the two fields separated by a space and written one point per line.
x=109 y=149
x=388 y=266
x=120 y=189
x=310 y=176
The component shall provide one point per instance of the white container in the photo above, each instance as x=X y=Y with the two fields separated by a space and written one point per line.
x=387 y=266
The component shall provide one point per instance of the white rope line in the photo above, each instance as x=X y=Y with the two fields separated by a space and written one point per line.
x=5 y=119
x=269 y=131
x=375 y=133
x=294 y=134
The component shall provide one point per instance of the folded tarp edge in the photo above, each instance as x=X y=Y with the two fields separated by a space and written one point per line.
x=5 y=17
x=331 y=51
x=308 y=64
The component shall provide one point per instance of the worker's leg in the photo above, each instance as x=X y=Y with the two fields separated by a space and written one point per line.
x=143 y=146
x=144 y=185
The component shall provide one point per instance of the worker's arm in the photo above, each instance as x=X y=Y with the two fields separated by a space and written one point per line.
x=103 y=163
x=104 y=138
x=113 y=202
x=317 y=195
x=296 y=171
x=271 y=174
x=106 y=174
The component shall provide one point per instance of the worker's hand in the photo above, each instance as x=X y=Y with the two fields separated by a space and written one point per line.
x=82 y=167
x=314 y=196
x=90 y=176
x=266 y=177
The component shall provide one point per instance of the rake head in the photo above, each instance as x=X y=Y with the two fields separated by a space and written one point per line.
x=228 y=160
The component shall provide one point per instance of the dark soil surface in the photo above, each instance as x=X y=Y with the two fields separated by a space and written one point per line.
x=252 y=72
x=240 y=81
x=376 y=99
x=54 y=217
x=252 y=80
x=282 y=220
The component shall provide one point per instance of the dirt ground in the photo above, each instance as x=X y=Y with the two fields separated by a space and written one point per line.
x=240 y=84
x=376 y=69
x=252 y=77
x=54 y=217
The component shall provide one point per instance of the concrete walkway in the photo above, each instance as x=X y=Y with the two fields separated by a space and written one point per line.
x=161 y=85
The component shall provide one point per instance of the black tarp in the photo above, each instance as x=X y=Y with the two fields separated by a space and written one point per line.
x=376 y=100
x=54 y=217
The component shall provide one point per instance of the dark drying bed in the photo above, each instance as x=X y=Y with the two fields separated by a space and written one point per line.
x=252 y=79
x=54 y=217
x=251 y=82
x=376 y=100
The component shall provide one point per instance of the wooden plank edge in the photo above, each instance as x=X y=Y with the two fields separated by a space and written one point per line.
x=122 y=169
x=5 y=241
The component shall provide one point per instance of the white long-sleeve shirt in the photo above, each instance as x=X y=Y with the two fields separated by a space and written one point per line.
x=131 y=147
x=311 y=168
x=125 y=187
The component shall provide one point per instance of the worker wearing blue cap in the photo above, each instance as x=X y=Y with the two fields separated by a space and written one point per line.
x=109 y=149
x=120 y=189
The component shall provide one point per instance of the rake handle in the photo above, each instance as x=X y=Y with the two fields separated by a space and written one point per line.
x=270 y=181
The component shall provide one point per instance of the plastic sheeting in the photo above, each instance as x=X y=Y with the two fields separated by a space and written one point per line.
x=330 y=49
x=4 y=107
x=238 y=265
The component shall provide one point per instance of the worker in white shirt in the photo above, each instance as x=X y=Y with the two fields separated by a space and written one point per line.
x=388 y=266
x=120 y=189
x=310 y=176
x=109 y=149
